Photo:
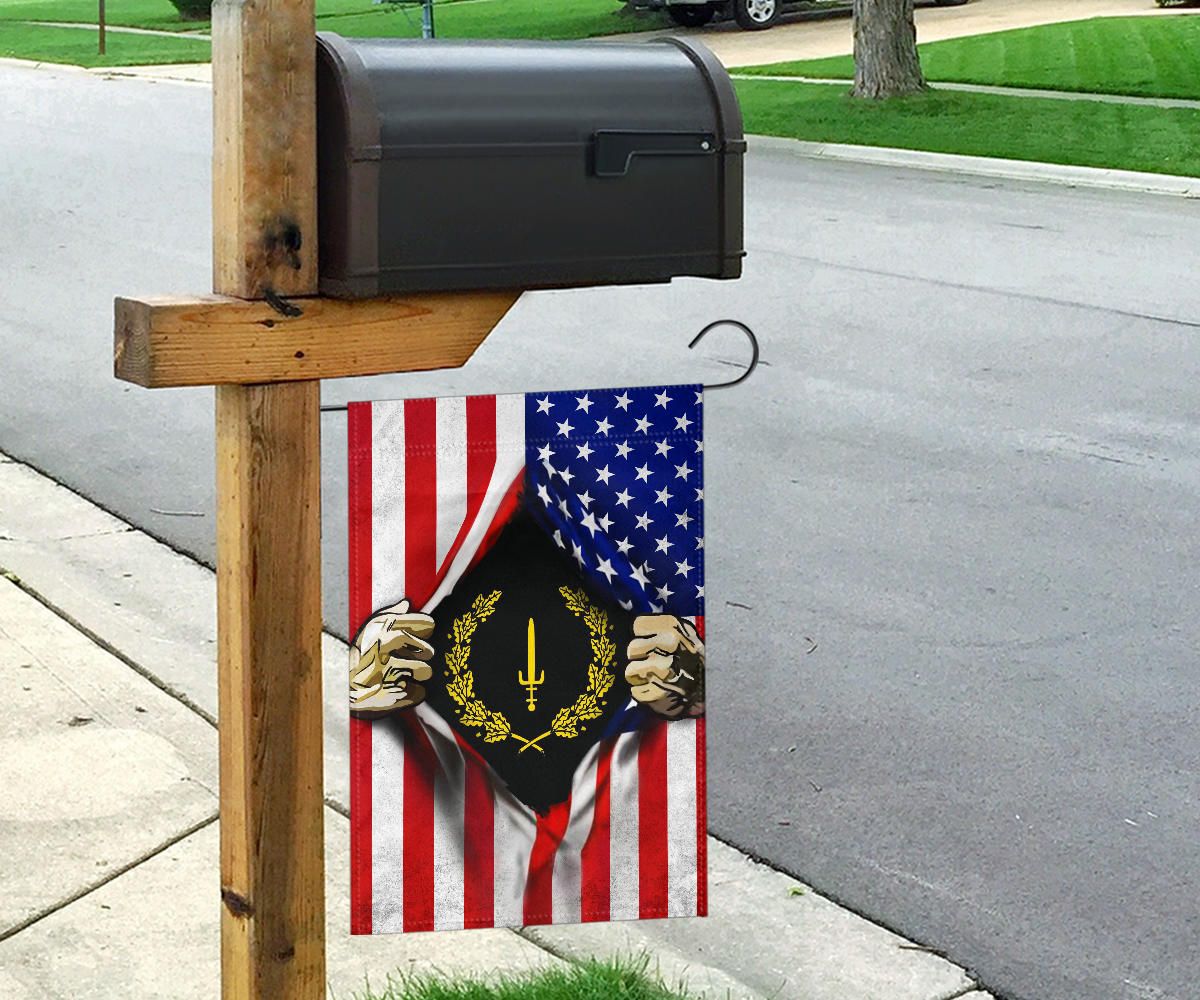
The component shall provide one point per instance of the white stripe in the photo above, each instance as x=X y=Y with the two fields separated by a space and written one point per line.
x=681 y=818
x=510 y=460
x=387 y=503
x=568 y=865
x=387 y=741
x=514 y=834
x=387 y=826
x=450 y=423
x=624 y=830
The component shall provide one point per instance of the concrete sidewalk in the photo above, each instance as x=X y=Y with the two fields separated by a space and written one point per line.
x=109 y=825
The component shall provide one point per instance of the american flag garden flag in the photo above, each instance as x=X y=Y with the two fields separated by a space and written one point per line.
x=527 y=674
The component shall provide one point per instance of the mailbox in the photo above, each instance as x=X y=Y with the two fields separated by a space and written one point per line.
x=465 y=164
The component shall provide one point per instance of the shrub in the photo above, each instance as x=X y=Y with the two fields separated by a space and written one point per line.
x=193 y=10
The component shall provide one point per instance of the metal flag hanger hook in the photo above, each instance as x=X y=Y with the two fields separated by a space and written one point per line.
x=753 y=351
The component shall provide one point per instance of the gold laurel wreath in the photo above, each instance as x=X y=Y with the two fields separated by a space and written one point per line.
x=569 y=721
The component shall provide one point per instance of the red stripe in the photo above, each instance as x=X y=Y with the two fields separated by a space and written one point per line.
x=420 y=772
x=539 y=881
x=701 y=809
x=420 y=571
x=595 y=858
x=652 y=820
x=359 y=482
x=479 y=842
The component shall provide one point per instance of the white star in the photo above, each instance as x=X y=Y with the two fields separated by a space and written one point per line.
x=589 y=522
x=682 y=422
x=565 y=428
x=684 y=519
x=585 y=498
x=545 y=454
x=604 y=521
x=661 y=399
x=699 y=494
x=585 y=404
x=646 y=569
x=683 y=568
x=643 y=473
x=700 y=593
x=578 y=554
x=683 y=471
x=623 y=449
x=655 y=609
x=558 y=539
x=662 y=448
x=603 y=427
x=643 y=424
x=699 y=396
x=664 y=592
x=544 y=494
x=623 y=401
x=623 y=546
x=544 y=405
x=664 y=543
x=562 y=505
x=639 y=577
x=699 y=446
x=663 y=496
x=603 y=475
x=627 y=605
x=567 y=476
x=700 y=542
x=643 y=521
x=585 y=450
x=624 y=497
x=606 y=568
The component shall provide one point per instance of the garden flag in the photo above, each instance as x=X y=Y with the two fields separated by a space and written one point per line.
x=527 y=673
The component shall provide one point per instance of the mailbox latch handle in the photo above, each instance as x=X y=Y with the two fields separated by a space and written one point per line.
x=614 y=149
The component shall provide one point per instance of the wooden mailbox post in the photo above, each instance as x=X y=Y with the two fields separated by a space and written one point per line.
x=266 y=363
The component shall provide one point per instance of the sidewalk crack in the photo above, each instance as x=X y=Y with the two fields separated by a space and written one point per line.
x=116 y=873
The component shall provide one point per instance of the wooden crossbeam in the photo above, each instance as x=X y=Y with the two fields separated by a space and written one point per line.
x=213 y=340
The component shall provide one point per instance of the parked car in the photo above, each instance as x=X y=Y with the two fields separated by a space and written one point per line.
x=753 y=15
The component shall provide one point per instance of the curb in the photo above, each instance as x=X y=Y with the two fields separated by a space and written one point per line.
x=770 y=937
x=985 y=166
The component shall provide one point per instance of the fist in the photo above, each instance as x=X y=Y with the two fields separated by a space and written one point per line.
x=389 y=661
x=666 y=666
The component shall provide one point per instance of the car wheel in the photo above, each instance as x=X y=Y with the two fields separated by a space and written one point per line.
x=692 y=15
x=755 y=15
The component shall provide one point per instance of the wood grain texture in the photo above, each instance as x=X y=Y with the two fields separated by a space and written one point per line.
x=264 y=147
x=211 y=340
x=269 y=654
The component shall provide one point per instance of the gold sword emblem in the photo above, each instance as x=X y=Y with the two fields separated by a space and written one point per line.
x=531 y=680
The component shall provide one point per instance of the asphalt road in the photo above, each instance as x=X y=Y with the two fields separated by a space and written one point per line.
x=952 y=519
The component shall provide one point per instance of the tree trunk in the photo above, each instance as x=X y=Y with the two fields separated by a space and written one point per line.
x=886 y=63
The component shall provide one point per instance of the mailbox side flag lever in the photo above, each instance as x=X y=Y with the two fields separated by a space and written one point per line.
x=613 y=150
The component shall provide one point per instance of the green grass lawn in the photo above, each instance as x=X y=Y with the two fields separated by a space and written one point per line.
x=1156 y=56
x=77 y=46
x=1084 y=133
x=561 y=19
x=591 y=981
x=159 y=14
x=558 y=19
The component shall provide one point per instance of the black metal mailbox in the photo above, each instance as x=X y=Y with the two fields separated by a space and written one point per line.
x=461 y=164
